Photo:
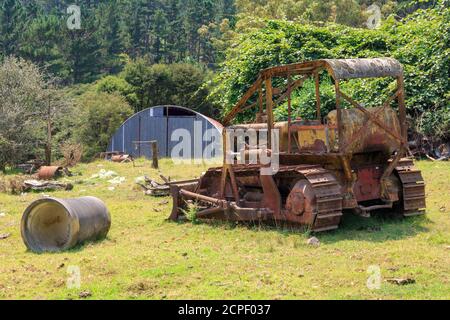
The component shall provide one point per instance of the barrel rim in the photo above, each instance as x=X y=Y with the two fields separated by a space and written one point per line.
x=74 y=226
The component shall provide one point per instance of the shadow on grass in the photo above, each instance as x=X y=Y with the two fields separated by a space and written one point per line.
x=77 y=248
x=382 y=226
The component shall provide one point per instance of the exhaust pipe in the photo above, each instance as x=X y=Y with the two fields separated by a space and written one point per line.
x=54 y=225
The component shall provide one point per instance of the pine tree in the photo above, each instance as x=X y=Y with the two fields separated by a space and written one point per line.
x=109 y=34
x=11 y=26
x=42 y=42
x=160 y=31
x=82 y=49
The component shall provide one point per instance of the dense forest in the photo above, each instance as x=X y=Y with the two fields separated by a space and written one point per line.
x=203 y=54
x=160 y=31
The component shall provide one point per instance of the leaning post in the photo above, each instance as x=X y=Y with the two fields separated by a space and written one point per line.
x=155 y=163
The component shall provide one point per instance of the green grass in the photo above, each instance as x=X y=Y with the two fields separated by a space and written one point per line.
x=146 y=257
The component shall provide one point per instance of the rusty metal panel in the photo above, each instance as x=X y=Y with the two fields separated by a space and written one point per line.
x=367 y=186
x=364 y=68
x=373 y=138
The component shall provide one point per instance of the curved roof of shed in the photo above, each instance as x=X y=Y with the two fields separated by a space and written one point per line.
x=341 y=69
x=215 y=123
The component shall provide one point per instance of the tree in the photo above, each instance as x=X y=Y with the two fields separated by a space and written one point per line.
x=82 y=50
x=162 y=84
x=110 y=38
x=99 y=116
x=42 y=44
x=29 y=103
x=11 y=26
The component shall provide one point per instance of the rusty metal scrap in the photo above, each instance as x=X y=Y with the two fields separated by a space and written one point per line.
x=49 y=172
x=154 y=188
x=53 y=172
x=364 y=68
x=339 y=69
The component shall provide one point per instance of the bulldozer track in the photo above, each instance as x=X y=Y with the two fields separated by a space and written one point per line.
x=413 y=186
x=328 y=199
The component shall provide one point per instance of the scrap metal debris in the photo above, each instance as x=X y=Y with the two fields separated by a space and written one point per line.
x=313 y=242
x=4 y=236
x=166 y=180
x=123 y=158
x=154 y=188
x=422 y=146
x=21 y=184
x=53 y=172
x=116 y=156
x=401 y=281
x=35 y=185
x=85 y=294
x=30 y=167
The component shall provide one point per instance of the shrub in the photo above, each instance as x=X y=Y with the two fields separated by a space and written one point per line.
x=100 y=115
x=72 y=154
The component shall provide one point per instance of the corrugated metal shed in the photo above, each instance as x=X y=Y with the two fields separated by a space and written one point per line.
x=158 y=124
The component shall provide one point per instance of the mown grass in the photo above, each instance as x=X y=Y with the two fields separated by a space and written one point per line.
x=146 y=257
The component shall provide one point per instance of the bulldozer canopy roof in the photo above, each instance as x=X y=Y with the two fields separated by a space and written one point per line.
x=341 y=69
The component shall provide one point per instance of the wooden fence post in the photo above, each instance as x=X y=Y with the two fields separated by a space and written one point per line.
x=155 y=164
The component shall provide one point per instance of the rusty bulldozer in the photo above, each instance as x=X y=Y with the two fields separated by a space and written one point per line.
x=352 y=159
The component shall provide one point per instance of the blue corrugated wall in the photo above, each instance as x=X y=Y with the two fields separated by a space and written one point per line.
x=152 y=124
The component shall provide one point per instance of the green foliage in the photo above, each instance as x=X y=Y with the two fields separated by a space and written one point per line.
x=147 y=85
x=11 y=26
x=161 y=31
x=99 y=115
x=420 y=42
x=29 y=102
x=42 y=39
x=347 y=12
x=191 y=212
x=306 y=97
x=285 y=42
x=116 y=84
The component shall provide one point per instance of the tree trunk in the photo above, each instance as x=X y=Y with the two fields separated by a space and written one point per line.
x=48 y=147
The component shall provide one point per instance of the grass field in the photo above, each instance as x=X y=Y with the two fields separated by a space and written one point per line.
x=146 y=257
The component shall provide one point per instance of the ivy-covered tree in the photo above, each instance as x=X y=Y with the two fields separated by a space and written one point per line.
x=420 y=42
